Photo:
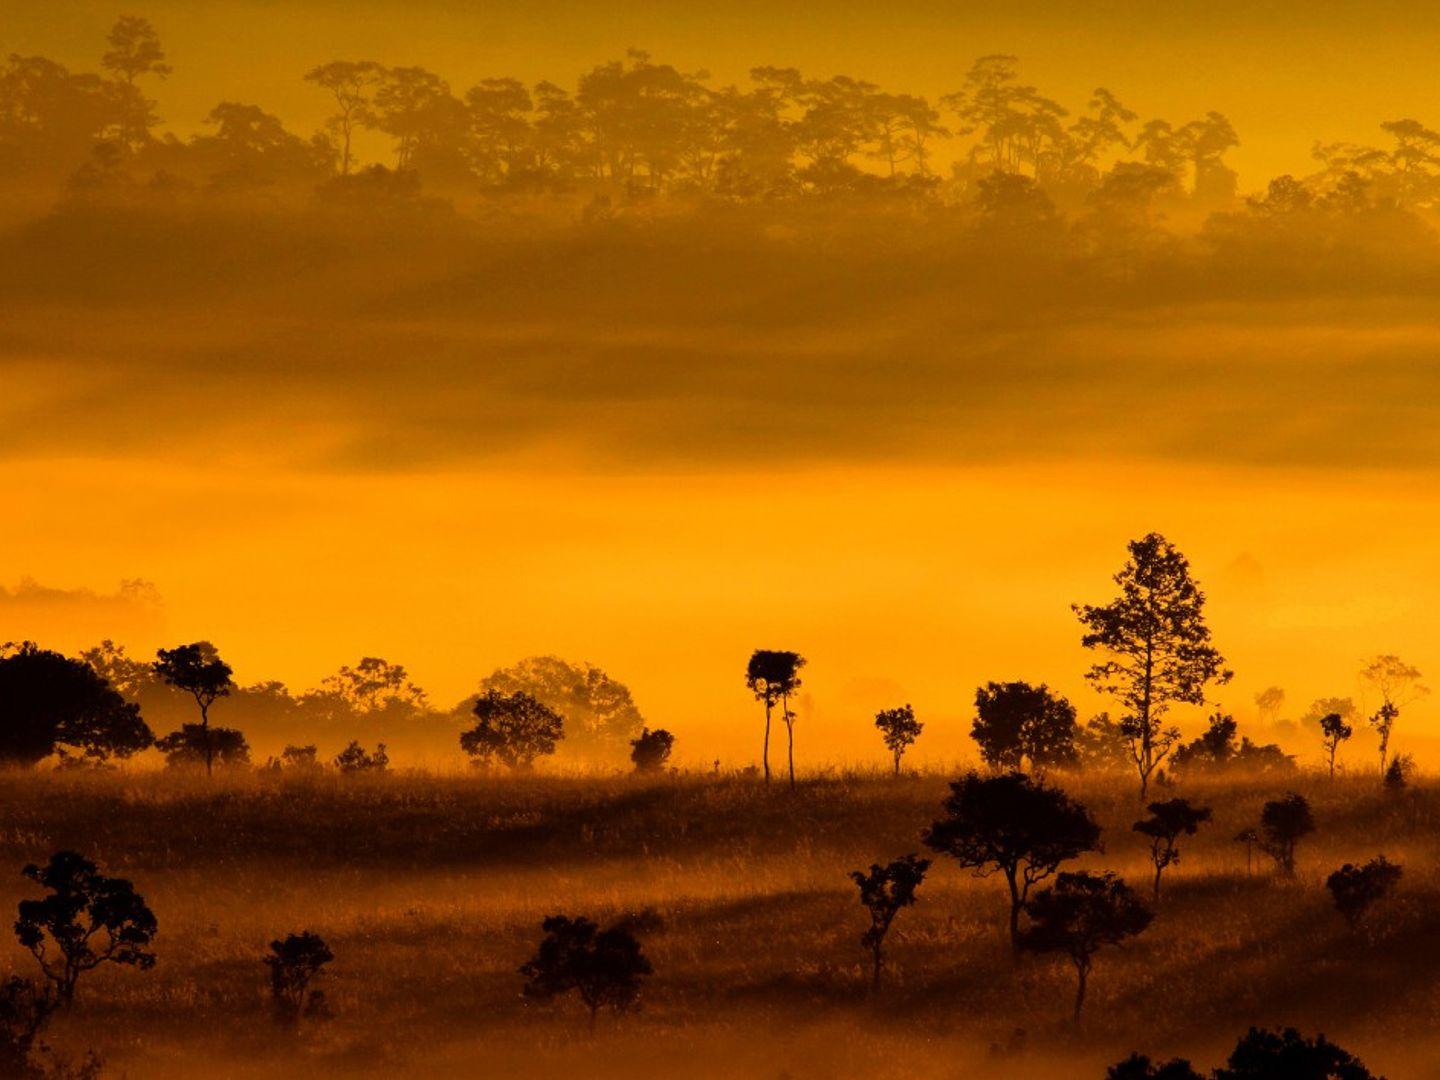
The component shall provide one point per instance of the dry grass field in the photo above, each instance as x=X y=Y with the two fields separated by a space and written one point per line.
x=430 y=890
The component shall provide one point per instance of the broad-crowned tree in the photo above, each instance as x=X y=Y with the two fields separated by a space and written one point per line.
x=899 y=729
x=1283 y=823
x=604 y=967
x=1168 y=821
x=1355 y=889
x=884 y=890
x=513 y=729
x=1018 y=725
x=49 y=703
x=197 y=670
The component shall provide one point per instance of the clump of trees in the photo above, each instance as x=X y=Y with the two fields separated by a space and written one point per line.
x=513 y=729
x=52 y=704
x=1216 y=751
x=1356 y=889
x=294 y=962
x=86 y=919
x=1260 y=1054
x=1078 y=916
x=356 y=759
x=605 y=968
x=899 y=728
x=601 y=717
x=1019 y=726
x=1168 y=821
x=1155 y=646
x=1014 y=826
x=773 y=675
x=1284 y=822
x=650 y=751
x=884 y=891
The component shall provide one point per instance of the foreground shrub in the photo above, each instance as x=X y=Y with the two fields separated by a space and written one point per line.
x=1259 y=1055
x=1355 y=889
x=605 y=967
x=294 y=962
x=87 y=920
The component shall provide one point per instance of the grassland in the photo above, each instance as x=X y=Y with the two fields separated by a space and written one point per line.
x=430 y=891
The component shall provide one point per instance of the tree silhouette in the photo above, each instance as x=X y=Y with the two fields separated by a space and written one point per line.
x=1156 y=646
x=1079 y=915
x=651 y=750
x=1016 y=723
x=772 y=677
x=604 y=967
x=884 y=891
x=134 y=50
x=1356 y=888
x=1283 y=823
x=1333 y=731
x=1249 y=837
x=294 y=962
x=1217 y=751
x=600 y=713
x=197 y=670
x=375 y=685
x=899 y=729
x=49 y=702
x=1168 y=821
x=1269 y=1055
x=1398 y=684
x=87 y=920
x=351 y=83
x=513 y=729
x=1014 y=826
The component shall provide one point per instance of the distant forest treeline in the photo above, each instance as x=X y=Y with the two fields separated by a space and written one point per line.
x=640 y=139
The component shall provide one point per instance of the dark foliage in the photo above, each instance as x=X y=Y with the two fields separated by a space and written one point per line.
x=294 y=962
x=884 y=891
x=1283 y=823
x=513 y=729
x=899 y=729
x=1355 y=889
x=355 y=759
x=1012 y=825
x=604 y=967
x=1140 y=1067
x=1217 y=751
x=1079 y=915
x=651 y=750
x=1168 y=821
x=196 y=669
x=772 y=675
x=1017 y=724
x=195 y=745
x=1288 y=1055
x=87 y=920
x=49 y=702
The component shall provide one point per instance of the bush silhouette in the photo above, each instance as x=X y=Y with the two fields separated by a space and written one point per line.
x=24 y=1010
x=1283 y=823
x=294 y=961
x=194 y=745
x=87 y=920
x=604 y=967
x=884 y=891
x=651 y=751
x=1140 y=1067
x=1168 y=821
x=1018 y=724
x=355 y=759
x=1012 y=825
x=1079 y=915
x=513 y=729
x=1288 y=1055
x=1356 y=888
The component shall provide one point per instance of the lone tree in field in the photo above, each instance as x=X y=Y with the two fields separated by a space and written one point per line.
x=651 y=751
x=899 y=729
x=1168 y=821
x=1333 y=731
x=884 y=891
x=193 y=746
x=605 y=967
x=1079 y=915
x=1397 y=684
x=87 y=920
x=513 y=729
x=1156 y=648
x=1018 y=724
x=772 y=676
x=197 y=670
x=1283 y=823
x=1014 y=826
x=1273 y=1055
x=294 y=961
x=49 y=702
x=1356 y=888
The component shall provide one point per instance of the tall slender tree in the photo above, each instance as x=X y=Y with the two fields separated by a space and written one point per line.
x=1397 y=684
x=772 y=676
x=1155 y=646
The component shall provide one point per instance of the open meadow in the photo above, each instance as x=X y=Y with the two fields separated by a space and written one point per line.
x=430 y=890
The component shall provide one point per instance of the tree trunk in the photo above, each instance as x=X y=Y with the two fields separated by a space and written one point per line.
x=1083 y=970
x=875 y=981
x=1014 y=916
x=765 y=753
x=1158 y=868
x=790 y=748
x=205 y=735
x=897 y=764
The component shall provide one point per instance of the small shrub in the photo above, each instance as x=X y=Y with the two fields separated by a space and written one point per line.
x=651 y=751
x=294 y=962
x=354 y=759
x=1356 y=888
x=605 y=967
